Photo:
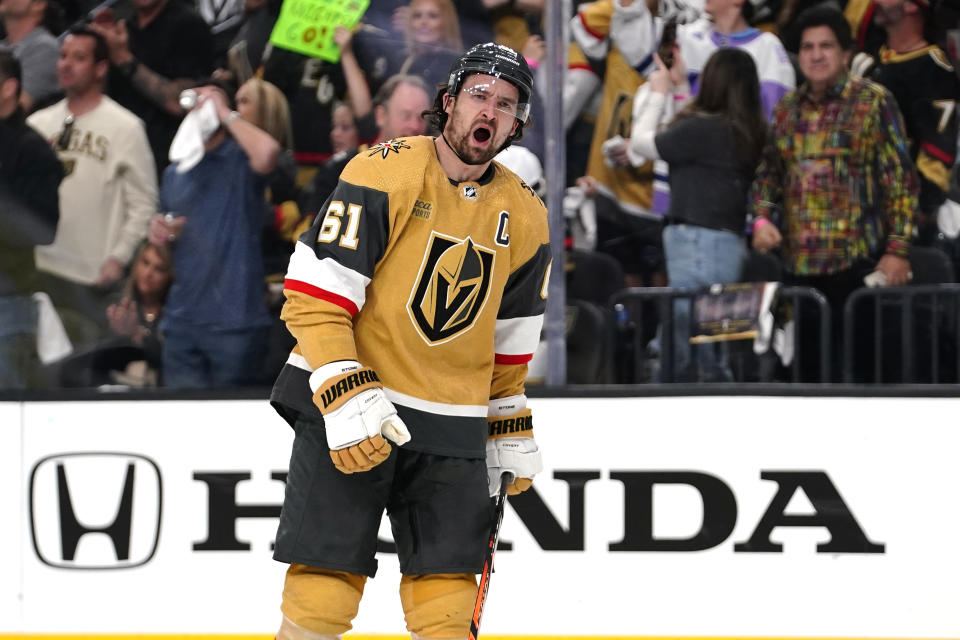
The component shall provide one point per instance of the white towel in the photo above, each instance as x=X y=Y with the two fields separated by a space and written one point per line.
x=581 y=215
x=186 y=150
x=52 y=341
x=948 y=218
x=765 y=318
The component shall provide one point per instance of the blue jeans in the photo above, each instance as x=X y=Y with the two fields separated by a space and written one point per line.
x=18 y=342
x=698 y=257
x=199 y=358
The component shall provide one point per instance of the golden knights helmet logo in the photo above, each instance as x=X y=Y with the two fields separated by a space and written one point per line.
x=451 y=289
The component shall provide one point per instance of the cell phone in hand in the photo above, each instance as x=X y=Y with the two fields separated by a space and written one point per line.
x=667 y=42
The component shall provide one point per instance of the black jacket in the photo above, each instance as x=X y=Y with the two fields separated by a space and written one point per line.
x=30 y=176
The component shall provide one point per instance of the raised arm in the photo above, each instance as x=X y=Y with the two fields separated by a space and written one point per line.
x=261 y=148
x=357 y=87
x=162 y=91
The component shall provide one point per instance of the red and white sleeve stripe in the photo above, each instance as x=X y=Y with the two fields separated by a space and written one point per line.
x=326 y=279
x=515 y=339
x=593 y=43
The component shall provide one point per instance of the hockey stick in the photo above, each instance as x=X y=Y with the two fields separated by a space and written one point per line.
x=505 y=481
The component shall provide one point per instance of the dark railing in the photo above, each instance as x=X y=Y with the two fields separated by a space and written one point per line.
x=797 y=297
x=891 y=335
x=634 y=305
x=923 y=319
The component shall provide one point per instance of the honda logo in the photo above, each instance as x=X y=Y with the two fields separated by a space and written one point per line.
x=97 y=510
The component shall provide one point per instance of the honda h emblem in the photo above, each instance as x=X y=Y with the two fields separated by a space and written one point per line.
x=97 y=510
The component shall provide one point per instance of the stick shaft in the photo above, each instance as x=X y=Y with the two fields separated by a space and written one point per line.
x=484 y=586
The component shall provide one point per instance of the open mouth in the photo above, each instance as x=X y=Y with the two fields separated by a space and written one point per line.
x=481 y=134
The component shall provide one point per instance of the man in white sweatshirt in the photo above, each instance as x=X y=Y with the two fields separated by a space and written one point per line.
x=108 y=194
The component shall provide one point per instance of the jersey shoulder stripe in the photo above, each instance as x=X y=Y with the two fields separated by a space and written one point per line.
x=516 y=337
x=321 y=294
x=326 y=278
x=596 y=18
x=941 y=59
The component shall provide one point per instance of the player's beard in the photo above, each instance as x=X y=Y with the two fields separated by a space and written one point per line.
x=462 y=144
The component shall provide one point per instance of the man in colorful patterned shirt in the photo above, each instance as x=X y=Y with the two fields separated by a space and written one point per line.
x=839 y=167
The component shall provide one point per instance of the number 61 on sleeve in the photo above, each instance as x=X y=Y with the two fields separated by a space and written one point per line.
x=333 y=221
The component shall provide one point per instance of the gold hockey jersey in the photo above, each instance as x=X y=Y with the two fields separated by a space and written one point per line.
x=438 y=286
x=631 y=187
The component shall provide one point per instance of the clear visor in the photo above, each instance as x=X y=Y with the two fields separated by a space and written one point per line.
x=500 y=96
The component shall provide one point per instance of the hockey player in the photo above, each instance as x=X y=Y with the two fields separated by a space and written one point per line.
x=416 y=300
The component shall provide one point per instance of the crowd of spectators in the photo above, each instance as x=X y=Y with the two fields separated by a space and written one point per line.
x=698 y=134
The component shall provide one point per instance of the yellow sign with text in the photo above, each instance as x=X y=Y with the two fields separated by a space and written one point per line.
x=307 y=26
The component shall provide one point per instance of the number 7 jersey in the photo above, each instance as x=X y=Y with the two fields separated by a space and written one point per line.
x=438 y=286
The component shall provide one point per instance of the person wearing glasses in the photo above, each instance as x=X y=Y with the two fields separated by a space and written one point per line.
x=109 y=192
x=29 y=208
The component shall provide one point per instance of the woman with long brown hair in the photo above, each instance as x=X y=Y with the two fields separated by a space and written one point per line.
x=712 y=147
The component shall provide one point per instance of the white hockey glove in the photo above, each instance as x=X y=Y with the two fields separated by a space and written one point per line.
x=357 y=415
x=511 y=448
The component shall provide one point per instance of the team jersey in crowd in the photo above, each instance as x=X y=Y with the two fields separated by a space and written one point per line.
x=312 y=87
x=439 y=286
x=628 y=37
x=698 y=41
x=926 y=89
x=600 y=31
x=868 y=36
